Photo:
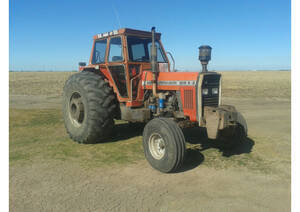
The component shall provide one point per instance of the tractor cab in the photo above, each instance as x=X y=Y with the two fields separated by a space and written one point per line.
x=122 y=56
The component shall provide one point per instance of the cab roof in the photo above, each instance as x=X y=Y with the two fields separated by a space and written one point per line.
x=127 y=31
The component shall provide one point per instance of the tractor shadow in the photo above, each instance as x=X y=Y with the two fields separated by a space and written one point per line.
x=124 y=131
x=193 y=158
x=197 y=137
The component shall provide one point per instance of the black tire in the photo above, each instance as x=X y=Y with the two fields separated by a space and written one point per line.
x=89 y=107
x=173 y=144
x=231 y=138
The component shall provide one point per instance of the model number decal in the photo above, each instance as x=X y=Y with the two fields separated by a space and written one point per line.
x=177 y=83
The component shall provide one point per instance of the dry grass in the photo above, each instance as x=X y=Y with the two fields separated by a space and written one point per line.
x=255 y=84
x=37 y=83
x=247 y=84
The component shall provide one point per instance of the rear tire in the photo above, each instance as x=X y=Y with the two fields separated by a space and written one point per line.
x=164 y=145
x=89 y=106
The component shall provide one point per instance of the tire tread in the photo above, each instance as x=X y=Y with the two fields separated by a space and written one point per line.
x=101 y=103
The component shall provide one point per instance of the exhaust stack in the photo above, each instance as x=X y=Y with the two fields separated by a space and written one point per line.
x=153 y=52
x=154 y=62
x=204 y=56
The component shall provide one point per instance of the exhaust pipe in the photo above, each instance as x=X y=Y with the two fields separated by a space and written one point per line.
x=204 y=56
x=154 y=68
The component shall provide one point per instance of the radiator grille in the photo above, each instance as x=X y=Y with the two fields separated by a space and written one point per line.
x=211 y=101
x=188 y=99
x=211 y=81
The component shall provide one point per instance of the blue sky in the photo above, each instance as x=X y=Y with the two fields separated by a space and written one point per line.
x=244 y=34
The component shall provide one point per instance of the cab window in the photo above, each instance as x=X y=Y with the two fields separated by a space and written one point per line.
x=115 y=50
x=160 y=57
x=139 y=49
x=99 y=51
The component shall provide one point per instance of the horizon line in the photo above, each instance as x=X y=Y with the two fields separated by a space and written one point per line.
x=171 y=71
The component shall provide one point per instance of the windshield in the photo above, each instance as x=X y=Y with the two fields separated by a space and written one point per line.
x=139 y=49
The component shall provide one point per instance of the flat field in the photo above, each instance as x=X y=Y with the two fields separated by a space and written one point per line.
x=49 y=172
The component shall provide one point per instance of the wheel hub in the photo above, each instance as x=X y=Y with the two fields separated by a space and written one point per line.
x=157 y=146
x=76 y=109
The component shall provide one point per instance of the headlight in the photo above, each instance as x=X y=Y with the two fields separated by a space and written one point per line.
x=214 y=91
x=205 y=91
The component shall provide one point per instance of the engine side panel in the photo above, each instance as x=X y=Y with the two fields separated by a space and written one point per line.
x=177 y=81
x=189 y=102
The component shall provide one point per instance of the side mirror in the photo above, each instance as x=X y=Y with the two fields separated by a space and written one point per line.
x=82 y=64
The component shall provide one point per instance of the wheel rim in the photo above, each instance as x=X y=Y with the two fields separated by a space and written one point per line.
x=157 y=146
x=76 y=109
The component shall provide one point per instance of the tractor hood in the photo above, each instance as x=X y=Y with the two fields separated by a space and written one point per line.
x=170 y=80
x=189 y=85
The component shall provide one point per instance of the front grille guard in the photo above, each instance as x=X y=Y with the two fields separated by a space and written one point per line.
x=207 y=80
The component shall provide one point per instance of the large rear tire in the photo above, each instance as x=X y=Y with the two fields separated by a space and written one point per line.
x=89 y=107
x=164 y=145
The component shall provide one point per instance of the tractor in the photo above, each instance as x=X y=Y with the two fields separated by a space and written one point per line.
x=129 y=77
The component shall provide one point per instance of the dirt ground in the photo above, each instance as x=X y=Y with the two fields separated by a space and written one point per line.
x=254 y=177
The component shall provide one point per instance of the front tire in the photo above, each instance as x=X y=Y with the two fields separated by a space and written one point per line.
x=89 y=106
x=164 y=145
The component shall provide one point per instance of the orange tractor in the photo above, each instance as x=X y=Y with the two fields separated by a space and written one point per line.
x=129 y=78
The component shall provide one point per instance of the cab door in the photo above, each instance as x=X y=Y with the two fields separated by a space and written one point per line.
x=116 y=67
